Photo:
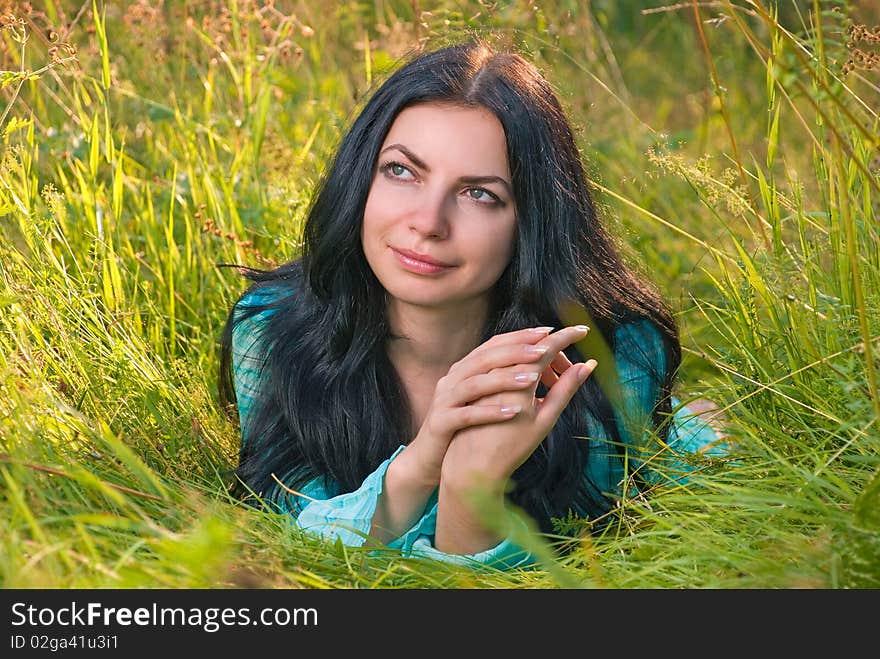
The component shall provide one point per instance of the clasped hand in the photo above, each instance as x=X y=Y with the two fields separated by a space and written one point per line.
x=485 y=419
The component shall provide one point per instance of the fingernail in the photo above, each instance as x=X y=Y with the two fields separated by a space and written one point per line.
x=526 y=377
x=586 y=369
x=582 y=328
x=511 y=409
x=541 y=330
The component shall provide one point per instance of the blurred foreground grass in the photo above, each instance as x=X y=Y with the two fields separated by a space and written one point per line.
x=733 y=147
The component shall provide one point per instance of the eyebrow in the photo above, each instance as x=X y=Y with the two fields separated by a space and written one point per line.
x=472 y=180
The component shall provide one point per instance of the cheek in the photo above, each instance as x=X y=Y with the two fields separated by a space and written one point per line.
x=371 y=226
x=492 y=251
x=507 y=237
x=378 y=213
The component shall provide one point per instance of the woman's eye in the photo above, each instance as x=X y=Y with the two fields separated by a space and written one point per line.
x=482 y=195
x=396 y=170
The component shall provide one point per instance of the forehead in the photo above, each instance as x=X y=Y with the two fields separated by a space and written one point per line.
x=446 y=135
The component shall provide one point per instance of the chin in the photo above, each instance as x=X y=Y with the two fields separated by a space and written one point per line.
x=420 y=298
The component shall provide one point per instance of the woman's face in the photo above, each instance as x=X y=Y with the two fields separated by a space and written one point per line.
x=440 y=220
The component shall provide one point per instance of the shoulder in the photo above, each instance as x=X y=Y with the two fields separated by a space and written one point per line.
x=639 y=349
x=257 y=305
x=263 y=298
x=640 y=334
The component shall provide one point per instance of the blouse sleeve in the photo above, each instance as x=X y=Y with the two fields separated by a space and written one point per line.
x=347 y=517
x=641 y=364
x=506 y=555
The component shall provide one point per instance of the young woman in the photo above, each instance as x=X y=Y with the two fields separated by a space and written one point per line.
x=409 y=359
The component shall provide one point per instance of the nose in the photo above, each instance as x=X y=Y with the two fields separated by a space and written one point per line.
x=431 y=217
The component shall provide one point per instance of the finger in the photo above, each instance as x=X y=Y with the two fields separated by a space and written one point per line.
x=548 y=376
x=561 y=393
x=530 y=335
x=559 y=365
x=495 y=357
x=548 y=365
x=479 y=415
x=497 y=381
x=559 y=341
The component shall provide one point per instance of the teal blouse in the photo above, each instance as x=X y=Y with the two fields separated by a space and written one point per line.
x=321 y=508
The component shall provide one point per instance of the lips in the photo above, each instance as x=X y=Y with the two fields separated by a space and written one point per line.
x=424 y=258
x=420 y=264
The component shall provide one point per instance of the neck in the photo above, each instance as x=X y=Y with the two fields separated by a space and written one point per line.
x=431 y=340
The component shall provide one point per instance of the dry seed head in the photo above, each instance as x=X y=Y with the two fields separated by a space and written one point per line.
x=62 y=53
x=859 y=58
x=857 y=32
x=209 y=226
x=10 y=21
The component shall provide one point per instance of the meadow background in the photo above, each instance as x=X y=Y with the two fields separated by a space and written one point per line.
x=733 y=147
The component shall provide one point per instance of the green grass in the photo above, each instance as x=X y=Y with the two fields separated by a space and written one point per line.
x=736 y=158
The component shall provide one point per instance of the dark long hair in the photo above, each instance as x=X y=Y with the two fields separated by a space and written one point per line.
x=332 y=404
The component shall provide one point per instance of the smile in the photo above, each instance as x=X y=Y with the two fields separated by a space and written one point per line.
x=420 y=267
